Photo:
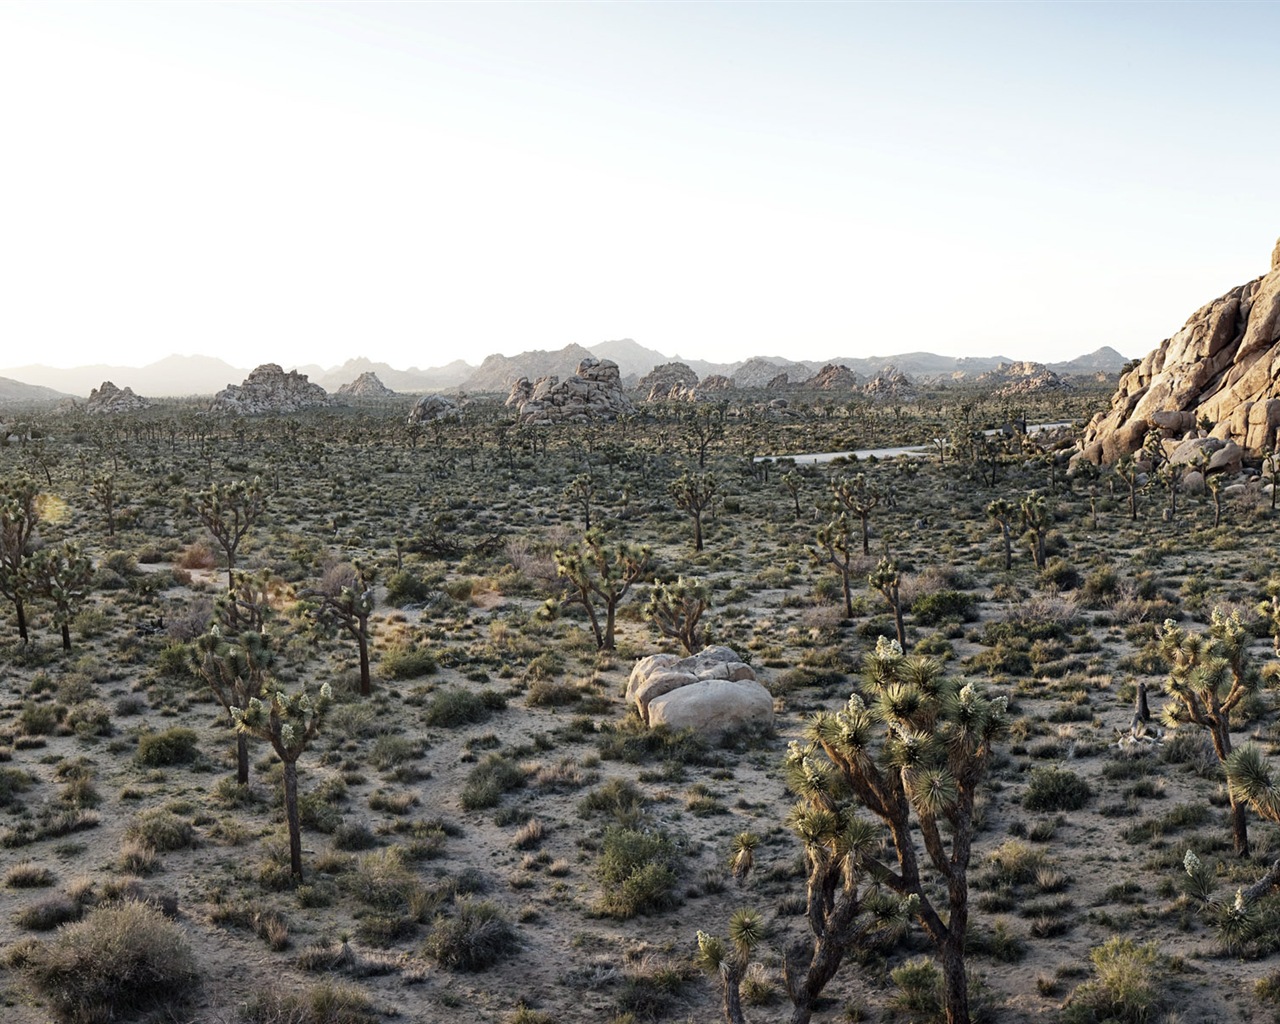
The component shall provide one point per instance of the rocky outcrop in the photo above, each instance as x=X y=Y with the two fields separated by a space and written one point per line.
x=269 y=389
x=499 y=372
x=716 y=382
x=833 y=378
x=430 y=408
x=1023 y=378
x=712 y=691
x=756 y=373
x=890 y=385
x=593 y=392
x=780 y=381
x=1221 y=370
x=661 y=380
x=108 y=399
x=366 y=385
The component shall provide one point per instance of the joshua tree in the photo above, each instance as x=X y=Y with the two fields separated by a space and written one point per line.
x=729 y=962
x=19 y=517
x=289 y=722
x=579 y=492
x=1209 y=675
x=694 y=495
x=236 y=654
x=228 y=511
x=792 y=482
x=103 y=491
x=913 y=754
x=1214 y=483
x=62 y=575
x=1126 y=469
x=703 y=427
x=835 y=548
x=1037 y=518
x=344 y=600
x=1004 y=515
x=858 y=495
x=887 y=579
x=1271 y=470
x=676 y=609
x=600 y=575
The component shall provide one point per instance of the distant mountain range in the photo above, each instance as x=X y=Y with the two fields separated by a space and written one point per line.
x=205 y=375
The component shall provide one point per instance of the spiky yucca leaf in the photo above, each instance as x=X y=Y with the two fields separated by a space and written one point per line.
x=744 y=851
x=932 y=790
x=1249 y=777
x=711 y=957
x=746 y=930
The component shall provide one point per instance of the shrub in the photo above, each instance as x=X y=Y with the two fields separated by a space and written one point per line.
x=475 y=938
x=488 y=780
x=405 y=662
x=1055 y=789
x=173 y=746
x=1124 y=988
x=119 y=959
x=919 y=985
x=160 y=829
x=1060 y=574
x=46 y=915
x=462 y=707
x=326 y=1003
x=944 y=606
x=404 y=588
x=196 y=556
x=638 y=872
x=28 y=874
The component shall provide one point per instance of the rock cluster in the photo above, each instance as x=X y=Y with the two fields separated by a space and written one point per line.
x=890 y=385
x=269 y=389
x=712 y=691
x=108 y=398
x=430 y=408
x=593 y=392
x=1022 y=378
x=659 y=382
x=780 y=381
x=366 y=385
x=1220 y=370
x=833 y=378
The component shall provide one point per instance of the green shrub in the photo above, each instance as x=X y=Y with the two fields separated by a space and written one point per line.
x=48 y=914
x=40 y=719
x=1060 y=574
x=450 y=708
x=638 y=872
x=944 y=606
x=173 y=746
x=488 y=780
x=404 y=588
x=12 y=782
x=121 y=958
x=620 y=799
x=1055 y=789
x=405 y=662
x=919 y=985
x=160 y=829
x=1125 y=987
x=326 y=1003
x=476 y=937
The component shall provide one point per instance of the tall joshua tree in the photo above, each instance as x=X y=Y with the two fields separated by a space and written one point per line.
x=1037 y=518
x=912 y=751
x=1004 y=515
x=677 y=608
x=228 y=511
x=1209 y=675
x=858 y=495
x=835 y=548
x=19 y=518
x=599 y=576
x=694 y=495
x=344 y=601
x=62 y=575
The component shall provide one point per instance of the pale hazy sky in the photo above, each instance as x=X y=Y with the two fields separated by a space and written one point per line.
x=303 y=183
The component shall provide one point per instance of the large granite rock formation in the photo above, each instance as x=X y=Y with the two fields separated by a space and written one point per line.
x=429 y=408
x=593 y=392
x=833 y=378
x=711 y=691
x=890 y=385
x=366 y=385
x=1022 y=378
x=269 y=389
x=1221 y=369
x=659 y=383
x=108 y=399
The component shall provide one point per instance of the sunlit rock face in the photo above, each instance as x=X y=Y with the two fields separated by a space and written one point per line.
x=1218 y=375
x=110 y=399
x=366 y=385
x=270 y=389
x=594 y=392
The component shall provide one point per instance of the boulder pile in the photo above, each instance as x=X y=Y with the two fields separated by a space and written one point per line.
x=366 y=385
x=108 y=399
x=594 y=392
x=430 y=408
x=269 y=389
x=712 y=691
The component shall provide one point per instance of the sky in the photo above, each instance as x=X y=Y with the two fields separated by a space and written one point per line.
x=418 y=183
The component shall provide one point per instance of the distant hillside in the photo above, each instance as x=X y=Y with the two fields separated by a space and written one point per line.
x=1103 y=360
x=498 y=372
x=434 y=379
x=173 y=376
x=17 y=393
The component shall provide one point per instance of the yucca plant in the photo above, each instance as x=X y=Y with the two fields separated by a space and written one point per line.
x=912 y=753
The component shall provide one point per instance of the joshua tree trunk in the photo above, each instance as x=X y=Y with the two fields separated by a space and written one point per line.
x=291 y=815
x=362 y=641
x=22 y=619
x=66 y=637
x=242 y=759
